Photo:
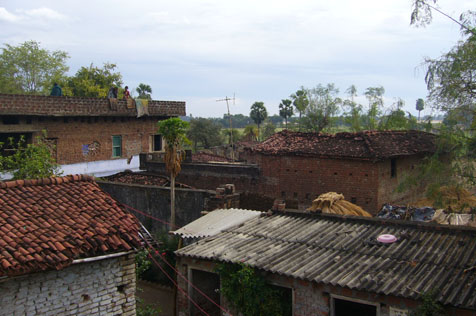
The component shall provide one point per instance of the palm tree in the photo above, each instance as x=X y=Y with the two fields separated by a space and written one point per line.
x=258 y=113
x=144 y=91
x=173 y=131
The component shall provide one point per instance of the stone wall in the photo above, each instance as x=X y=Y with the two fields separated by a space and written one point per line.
x=103 y=287
x=155 y=201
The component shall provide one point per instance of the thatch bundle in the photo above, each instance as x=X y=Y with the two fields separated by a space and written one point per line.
x=452 y=199
x=334 y=203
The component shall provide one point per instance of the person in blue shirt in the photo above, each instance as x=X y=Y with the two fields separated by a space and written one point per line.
x=56 y=91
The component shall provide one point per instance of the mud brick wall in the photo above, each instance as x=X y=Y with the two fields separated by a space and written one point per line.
x=104 y=287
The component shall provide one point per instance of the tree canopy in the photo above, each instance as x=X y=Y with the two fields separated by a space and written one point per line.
x=144 y=91
x=30 y=69
x=286 y=110
x=93 y=81
x=29 y=161
x=258 y=113
x=323 y=106
x=204 y=133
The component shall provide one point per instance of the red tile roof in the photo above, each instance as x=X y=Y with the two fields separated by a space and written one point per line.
x=35 y=105
x=47 y=223
x=145 y=179
x=367 y=145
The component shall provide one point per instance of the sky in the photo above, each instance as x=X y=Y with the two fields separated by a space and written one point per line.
x=203 y=51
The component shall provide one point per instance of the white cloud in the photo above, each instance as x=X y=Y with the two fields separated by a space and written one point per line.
x=7 y=16
x=45 y=13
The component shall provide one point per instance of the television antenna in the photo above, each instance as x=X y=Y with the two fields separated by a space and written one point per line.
x=226 y=99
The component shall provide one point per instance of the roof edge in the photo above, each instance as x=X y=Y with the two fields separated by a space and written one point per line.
x=46 y=181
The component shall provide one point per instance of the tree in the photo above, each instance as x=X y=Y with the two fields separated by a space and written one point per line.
x=451 y=89
x=173 y=130
x=323 y=106
x=300 y=102
x=30 y=69
x=250 y=133
x=397 y=119
x=375 y=97
x=354 y=112
x=29 y=161
x=205 y=132
x=144 y=91
x=269 y=130
x=258 y=113
x=93 y=82
x=286 y=110
x=420 y=105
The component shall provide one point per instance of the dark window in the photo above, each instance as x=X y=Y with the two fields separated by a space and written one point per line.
x=156 y=142
x=10 y=142
x=11 y=120
x=283 y=194
x=345 y=308
x=393 y=167
x=116 y=146
x=295 y=195
x=28 y=120
x=353 y=200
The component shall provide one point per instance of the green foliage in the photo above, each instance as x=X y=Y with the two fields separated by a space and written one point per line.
x=286 y=110
x=146 y=309
x=143 y=263
x=174 y=131
x=269 y=130
x=250 y=133
x=258 y=113
x=429 y=305
x=236 y=135
x=30 y=69
x=144 y=91
x=300 y=102
x=248 y=292
x=204 y=133
x=353 y=115
x=375 y=97
x=92 y=81
x=322 y=109
x=29 y=161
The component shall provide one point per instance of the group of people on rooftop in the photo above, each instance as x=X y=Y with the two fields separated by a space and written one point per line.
x=112 y=93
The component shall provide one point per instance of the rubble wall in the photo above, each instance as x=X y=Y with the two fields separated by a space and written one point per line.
x=104 y=287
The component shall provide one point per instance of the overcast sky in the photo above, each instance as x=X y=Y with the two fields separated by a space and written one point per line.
x=201 y=51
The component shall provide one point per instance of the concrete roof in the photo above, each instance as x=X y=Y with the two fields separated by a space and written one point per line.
x=216 y=222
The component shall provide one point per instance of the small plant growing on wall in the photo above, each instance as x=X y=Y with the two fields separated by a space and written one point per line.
x=249 y=293
x=429 y=306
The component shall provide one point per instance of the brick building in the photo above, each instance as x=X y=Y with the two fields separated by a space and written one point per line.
x=335 y=265
x=366 y=166
x=67 y=248
x=85 y=130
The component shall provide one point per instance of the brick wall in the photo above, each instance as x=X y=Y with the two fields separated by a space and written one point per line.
x=83 y=139
x=309 y=298
x=105 y=287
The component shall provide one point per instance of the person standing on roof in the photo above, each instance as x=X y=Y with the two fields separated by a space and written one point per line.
x=56 y=90
x=126 y=93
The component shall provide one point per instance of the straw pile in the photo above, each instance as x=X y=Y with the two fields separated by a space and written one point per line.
x=453 y=199
x=334 y=203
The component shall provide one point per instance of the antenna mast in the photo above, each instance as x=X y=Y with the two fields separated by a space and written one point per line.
x=231 y=126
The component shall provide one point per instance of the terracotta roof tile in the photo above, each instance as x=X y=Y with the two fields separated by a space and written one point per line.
x=47 y=223
x=366 y=145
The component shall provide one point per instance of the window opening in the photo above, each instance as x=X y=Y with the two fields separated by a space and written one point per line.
x=116 y=146
x=393 y=167
x=156 y=142
x=344 y=307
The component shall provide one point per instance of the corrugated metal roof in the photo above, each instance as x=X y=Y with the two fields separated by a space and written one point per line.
x=216 y=222
x=343 y=251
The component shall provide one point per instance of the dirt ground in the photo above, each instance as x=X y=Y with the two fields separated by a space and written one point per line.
x=156 y=295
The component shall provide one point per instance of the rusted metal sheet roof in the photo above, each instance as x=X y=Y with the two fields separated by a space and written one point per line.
x=216 y=222
x=343 y=251
x=369 y=145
